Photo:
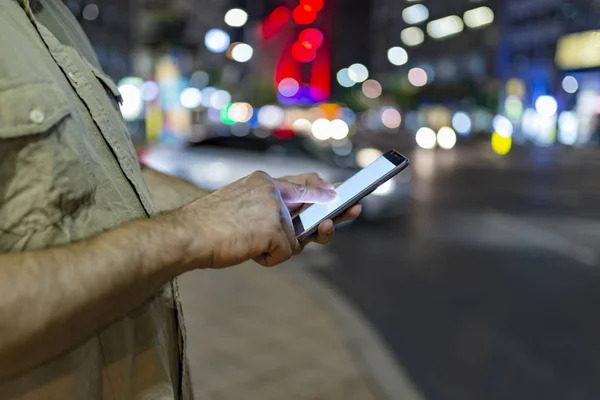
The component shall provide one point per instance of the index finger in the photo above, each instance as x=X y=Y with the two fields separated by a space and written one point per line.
x=293 y=193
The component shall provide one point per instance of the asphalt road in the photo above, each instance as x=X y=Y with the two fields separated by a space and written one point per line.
x=489 y=288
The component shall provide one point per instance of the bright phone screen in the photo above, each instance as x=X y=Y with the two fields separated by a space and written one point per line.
x=346 y=191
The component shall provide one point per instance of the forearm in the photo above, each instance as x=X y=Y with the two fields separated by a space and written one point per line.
x=170 y=192
x=54 y=299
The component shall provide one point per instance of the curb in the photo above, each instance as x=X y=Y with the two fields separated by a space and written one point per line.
x=373 y=356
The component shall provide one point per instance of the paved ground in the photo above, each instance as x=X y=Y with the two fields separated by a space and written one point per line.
x=266 y=334
x=489 y=288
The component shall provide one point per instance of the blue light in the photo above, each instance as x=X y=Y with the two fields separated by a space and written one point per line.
x=461 y=122
x=217 y=40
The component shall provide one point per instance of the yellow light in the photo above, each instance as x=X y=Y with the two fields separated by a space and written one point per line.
x=578 y=50
x=154 y=123
x=515 y=87
x=479 y=17
x=500 y=144
x=412 y=36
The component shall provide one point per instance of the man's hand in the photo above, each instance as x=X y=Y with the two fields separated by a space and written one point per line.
x=248 y=219
x=326 y=229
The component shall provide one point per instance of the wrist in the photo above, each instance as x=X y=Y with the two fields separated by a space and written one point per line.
x=188 y=245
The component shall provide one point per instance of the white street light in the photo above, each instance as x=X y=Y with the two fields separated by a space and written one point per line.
x=397 y=56
x=242 y=52
x=444 y=27
x=236 y=17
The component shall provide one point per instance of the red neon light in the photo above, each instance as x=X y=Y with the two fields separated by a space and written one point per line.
x=304 y=15
x=287 y=67
x=320 y=80
x=312 y=36
x=316 y=5
x=275 y=22
x=303 y=52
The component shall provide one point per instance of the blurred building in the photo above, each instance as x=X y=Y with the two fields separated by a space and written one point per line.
x=452 y=46
x=108 y=25
x=549 y=63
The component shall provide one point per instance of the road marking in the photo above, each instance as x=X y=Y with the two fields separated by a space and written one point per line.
x=546 y=239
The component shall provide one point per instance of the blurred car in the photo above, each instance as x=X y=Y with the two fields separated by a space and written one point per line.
x=218 y=161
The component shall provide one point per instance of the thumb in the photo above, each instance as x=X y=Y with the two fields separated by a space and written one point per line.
x=294 y=193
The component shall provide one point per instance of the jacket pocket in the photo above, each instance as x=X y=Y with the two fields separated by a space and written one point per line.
x=42 y=177
x=30 y=109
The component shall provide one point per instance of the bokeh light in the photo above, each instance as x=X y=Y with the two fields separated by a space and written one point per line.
x=304 y=14
x=288 y=87
x=150 y=91
x=242 y=52
x=302 y=125
x=568 y=128
x=90 y=12
x=303 y=52
x=461 y=122
x=501 y=145
x=220 y=99
x=199 y=79
x=343 y=78
x=236 y=17
x=342 y=147
x=502 y=126
x=133 y=104
x=366 y=156
x=513 y=107
x=316 y=5
x=190 y=97
x=216 y=40
x=546 y=106
x=312 y=36
x=426 y=138
x=570 y=84
x=358 y=73
x=371 y=89
x=391 y=118
x=397 y=56
x=240 y=112
x=412 y=36
x=339 y=129
x=446 y=137
x=417 y=77
x=385 y=188
x=515 y=87
x=445 y=27
x=321 y=129
x=271 y=116
x=415 y=14
x=479 y=17
x=207 y=93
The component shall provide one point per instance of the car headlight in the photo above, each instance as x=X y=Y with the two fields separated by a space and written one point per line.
x=385 y=189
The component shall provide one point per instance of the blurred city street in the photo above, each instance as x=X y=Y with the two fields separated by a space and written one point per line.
x=473 y=274
x=489 y=287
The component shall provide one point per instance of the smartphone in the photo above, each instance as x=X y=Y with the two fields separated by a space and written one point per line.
x=357 y=187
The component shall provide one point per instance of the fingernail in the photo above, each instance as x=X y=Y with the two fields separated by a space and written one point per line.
x=334 y=195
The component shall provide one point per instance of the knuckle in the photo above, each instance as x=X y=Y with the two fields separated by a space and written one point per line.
x=302 y=190
x=260 y=175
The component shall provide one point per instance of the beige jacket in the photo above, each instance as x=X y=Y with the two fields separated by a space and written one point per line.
x=68 y=171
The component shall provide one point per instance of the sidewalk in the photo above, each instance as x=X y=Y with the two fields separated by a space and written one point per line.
x=256 y=333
